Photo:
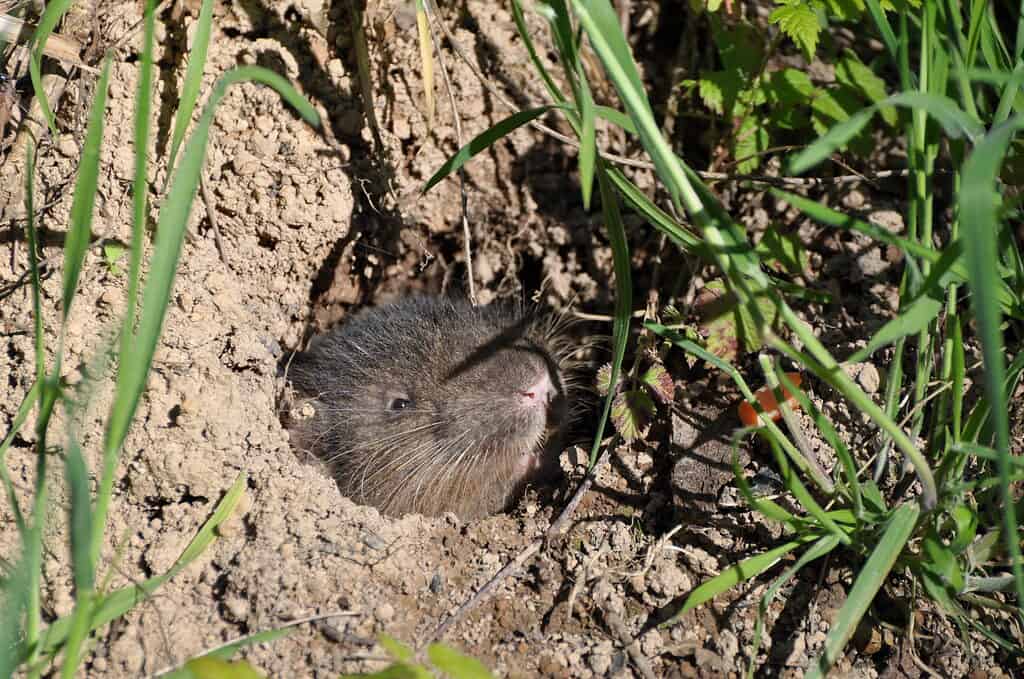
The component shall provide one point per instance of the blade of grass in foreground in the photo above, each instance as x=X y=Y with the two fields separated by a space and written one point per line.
x=51 y=15
x=483 y=141
x=868 y=582
x=116 y=604
x=735 y=574
x=136 y=357
x=84 y=199
x=819 y=549
x=193 y=79
x=623 y=294
x=140 y=184
x=978 y=202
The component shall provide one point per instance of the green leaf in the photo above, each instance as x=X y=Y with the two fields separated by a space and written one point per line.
x=623 y=293
x=845 y=10
x=457 y=665
x=964 y=524
x=51 y=15
x=854 y=74
x=799 y=22
x=77 y=241
x=783 y=252
x=712 y=88
x=193 y=78
x=874 y=572
x=750 y=141
x=483 y=141
x=980 y=226
x=395 y=648
x=660 y=383
x=631 y=413
x=215 y=668
x=136 y=357
x=913 y=319
x=735 y=574
x=740 y=47
x=117 y=603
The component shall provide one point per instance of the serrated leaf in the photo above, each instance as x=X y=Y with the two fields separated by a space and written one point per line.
x=751 y=140
x=631 y=414
x=711 y=90
x=658 y=379
x=740 y=47
x=604 y=378
x=845 y=10
x=790 y=87
x=783 y=252
x=799 y=22
x=838 y=105
x=855 y=75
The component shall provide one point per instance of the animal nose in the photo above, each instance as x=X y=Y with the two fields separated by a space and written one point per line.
x=541 y=392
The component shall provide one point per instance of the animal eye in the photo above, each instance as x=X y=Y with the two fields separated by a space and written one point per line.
x=399 y=403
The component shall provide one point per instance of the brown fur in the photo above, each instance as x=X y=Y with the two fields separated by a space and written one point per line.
x=416 y=404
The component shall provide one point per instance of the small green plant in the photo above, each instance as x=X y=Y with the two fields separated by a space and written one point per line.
x=956 y=531
x=25 y=644
x=767 y=108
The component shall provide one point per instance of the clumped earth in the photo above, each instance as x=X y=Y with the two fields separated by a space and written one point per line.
x=316 y=225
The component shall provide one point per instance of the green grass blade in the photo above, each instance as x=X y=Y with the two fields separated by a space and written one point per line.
x=140 y=183
x=51 y=15
x=553 y=91
x=135 y=360
x=911 y=320
x=726 y=240
x=819 y=549
x=616 y=117
x=227 y=651
x=769 y=508
x=735 y=574
x=13 y=602
x=77 y=241
x=831 y=437
x=80 y=524
x=455 y=664
x=943 y=110
x=1009 y=301
x=32 y=540
x=19 y=419
x=588 y=138
x=116 y=604
x=483 y=141
x=657 y=217
x=869 y=581
x=884 y=28
x=799 y=491
x=623 y=294
x=193 y=79
x=980 y=228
